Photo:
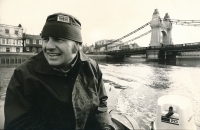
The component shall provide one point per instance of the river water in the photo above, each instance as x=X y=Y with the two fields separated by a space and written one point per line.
x=143 y=82
x=146 y=81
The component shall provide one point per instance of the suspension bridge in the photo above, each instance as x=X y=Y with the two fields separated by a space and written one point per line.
x=161 y=45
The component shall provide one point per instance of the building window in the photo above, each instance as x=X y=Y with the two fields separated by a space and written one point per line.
x=3 y=41
x=27 y=49
x=34 y=41
x=17 y=49
x=6 y=31
x=16 y=32
x=27 y=41
x=40 y=42
x=10 y=41
x=7 y=49
x=15 y=42
x=19 y=42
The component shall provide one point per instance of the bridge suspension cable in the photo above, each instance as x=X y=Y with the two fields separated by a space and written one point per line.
x=185 y=22
x=133 y=38
x=124 y=36
x=137 y=37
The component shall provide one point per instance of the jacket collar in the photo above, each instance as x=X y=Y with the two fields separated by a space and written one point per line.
x=82 y=56
x=41 y=65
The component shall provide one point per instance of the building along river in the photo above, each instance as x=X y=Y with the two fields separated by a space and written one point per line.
x=139 y=83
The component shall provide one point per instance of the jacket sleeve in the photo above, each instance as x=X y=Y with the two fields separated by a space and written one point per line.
x=102 y=116
x=19 y=110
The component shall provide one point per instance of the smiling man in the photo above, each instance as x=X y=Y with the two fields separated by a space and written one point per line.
x=59 y=52
x=60 y=88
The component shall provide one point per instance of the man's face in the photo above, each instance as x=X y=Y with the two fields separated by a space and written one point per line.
x=59 y=51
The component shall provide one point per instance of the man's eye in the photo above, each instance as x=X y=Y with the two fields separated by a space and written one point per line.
x=45 y=39
x=59 y=39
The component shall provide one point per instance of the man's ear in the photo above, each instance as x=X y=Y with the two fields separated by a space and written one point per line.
x=79 y=47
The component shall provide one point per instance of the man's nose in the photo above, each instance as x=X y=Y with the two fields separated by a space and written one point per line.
x=50 y=45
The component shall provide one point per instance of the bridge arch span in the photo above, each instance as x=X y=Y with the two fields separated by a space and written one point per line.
x=164 y=37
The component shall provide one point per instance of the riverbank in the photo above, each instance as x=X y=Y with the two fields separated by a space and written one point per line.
x=18 y=58
x=14 y=58
x=188 y=57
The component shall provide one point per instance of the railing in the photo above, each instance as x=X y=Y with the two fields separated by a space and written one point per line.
x=142 y=50
x=14 y=58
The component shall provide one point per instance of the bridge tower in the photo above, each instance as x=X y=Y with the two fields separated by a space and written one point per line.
x=160 y=30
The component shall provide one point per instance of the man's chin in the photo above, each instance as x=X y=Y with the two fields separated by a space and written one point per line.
x=54 y=64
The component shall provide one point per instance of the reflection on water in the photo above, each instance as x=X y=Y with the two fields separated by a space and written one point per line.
x=188 y=62
x=192 y=62
x=145 y=81
x=6 y=71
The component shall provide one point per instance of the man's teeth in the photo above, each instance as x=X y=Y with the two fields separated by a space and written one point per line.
x=54 y=54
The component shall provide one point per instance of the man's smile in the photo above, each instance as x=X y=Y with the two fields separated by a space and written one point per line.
x=54 y=55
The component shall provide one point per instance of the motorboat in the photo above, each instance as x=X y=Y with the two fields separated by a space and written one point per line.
x=123 y=121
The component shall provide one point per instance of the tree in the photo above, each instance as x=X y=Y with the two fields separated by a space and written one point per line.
x=24 y=36
x=20 y=25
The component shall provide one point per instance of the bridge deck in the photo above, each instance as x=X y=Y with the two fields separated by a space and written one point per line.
x=142 y=50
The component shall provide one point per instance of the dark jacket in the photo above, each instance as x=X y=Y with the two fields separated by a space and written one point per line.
x=33 y=93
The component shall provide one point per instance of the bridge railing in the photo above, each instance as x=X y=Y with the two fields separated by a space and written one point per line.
x=142 y=50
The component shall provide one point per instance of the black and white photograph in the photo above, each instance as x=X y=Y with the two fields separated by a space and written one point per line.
x=99 y=65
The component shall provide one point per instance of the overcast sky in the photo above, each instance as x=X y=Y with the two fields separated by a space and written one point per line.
x=105 y=19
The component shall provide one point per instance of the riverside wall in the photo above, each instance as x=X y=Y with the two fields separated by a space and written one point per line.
x=18 y=58
x=14 y=58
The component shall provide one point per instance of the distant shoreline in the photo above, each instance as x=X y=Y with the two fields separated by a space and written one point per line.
x=10 y=57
